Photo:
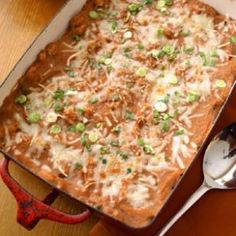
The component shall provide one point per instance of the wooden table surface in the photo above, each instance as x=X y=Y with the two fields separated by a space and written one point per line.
x=21 y=21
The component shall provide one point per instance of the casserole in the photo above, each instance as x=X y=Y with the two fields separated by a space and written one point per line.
x=159 y=104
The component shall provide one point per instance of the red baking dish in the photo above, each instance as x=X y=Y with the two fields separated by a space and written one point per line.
x=31 y=210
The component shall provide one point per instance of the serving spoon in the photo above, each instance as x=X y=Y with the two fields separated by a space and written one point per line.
x=219 y=169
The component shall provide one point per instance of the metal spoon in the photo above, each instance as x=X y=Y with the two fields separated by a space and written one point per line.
x=219 y=168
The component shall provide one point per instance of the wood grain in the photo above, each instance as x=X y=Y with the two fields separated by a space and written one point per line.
x=21 y=21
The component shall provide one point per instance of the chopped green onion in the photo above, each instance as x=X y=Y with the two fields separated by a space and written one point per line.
x=162 y=5
x=233 y=39
x=188 y=50
x=175 y=113
x=104 y=161
x=69 y=72
x=99 y=60
x=164 y=99
x=78 y=166
x=114 y=27
x=55 y=129
x=167 y=2
x=93 y=137
x=116 y=130
x=93 y=15
x=76 y=37
x=127 y=52
x=129 y=115
x=71 y=129
x=168 y=50
x=124 y=156
x=140 y=46
x=115 y=143
x=98 y=125
x=21 y=99
x=83 y=140
x=146 y=2
x=51 y=117
x=67 y=69
x=104 y=150
x=203 y=58
x=128 y=35
x=173 y=79
x=48 y=102
x=160 y=54
x=141 y=142
x=93 y=100
x=148 y=149
x=212 y=61
x=80 y=127
x=156 y=117
x=160 y=106
x=160 y=31
x=179 y=132
x=81 y=111
x=107 y=61
x=177 y=94
x=165 y=125
x=112 y=13
x=134 y=8
x=166 y=116
x=34 y=117
x=58 y=107
x=129 y=171
x=186 y=33
x=59 y=94
x=88 y=147
x=213 y=53
x=192 y=96
x=142 y=71
x=220 y=84
x=155 y=53
x=187 y=63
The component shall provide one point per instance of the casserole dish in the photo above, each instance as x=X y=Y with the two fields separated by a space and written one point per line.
x=159 y=104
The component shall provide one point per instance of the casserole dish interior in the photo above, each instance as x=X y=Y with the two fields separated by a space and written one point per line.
x=114 y=111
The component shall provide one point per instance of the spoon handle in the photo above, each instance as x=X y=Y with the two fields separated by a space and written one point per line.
x=192 y=199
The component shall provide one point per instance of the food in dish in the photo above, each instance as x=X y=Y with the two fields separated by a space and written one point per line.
x=115 y=111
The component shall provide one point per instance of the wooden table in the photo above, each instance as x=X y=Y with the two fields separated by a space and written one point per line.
x=21 y=21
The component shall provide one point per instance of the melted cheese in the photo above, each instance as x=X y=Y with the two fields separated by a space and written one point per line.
x=138 y=195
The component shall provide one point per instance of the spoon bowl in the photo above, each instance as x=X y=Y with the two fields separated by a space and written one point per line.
x=219 y=165
x=219 y=169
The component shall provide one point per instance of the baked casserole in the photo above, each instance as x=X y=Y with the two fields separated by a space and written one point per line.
x=114 y=112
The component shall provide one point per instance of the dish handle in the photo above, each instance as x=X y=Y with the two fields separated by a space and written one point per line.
x=31 y=210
